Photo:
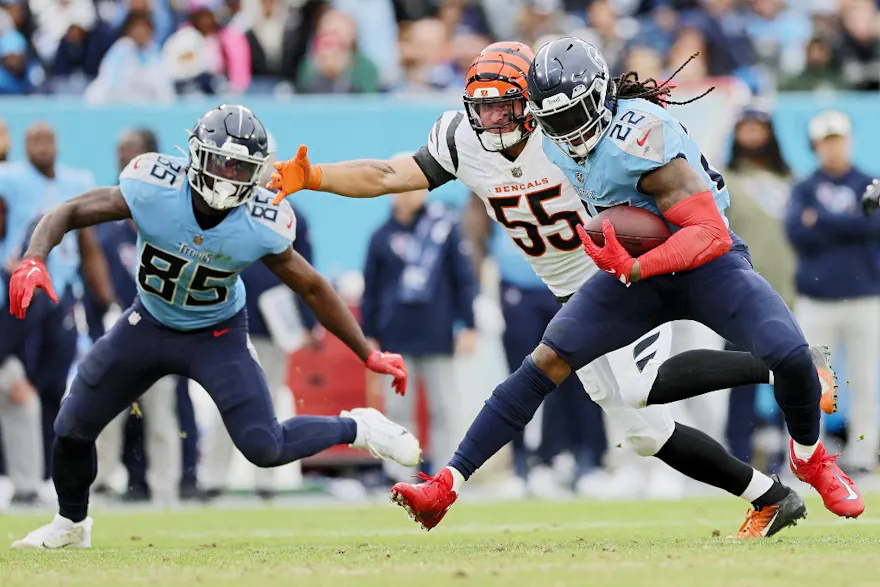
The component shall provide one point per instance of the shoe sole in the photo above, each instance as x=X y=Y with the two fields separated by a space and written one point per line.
x=398 y=499
x=822 y=358
x=401 y=500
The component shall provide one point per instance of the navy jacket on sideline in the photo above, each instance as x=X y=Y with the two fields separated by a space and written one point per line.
x=838 y=257
x=415 y=329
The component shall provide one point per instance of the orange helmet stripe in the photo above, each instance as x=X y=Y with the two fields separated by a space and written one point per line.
x=500 y=66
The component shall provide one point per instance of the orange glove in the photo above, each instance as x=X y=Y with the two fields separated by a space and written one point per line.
x=295 y=175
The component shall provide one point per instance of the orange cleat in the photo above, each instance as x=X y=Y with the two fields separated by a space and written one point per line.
x=767 y=521
x=838 y=491
x=827 y=377
x=426 y=503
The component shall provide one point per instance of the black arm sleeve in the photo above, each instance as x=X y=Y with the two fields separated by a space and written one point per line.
x=435 y=172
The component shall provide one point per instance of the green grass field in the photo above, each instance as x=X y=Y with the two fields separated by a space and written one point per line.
x=578 y=543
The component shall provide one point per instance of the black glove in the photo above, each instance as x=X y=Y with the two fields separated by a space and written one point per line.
x=871 y=198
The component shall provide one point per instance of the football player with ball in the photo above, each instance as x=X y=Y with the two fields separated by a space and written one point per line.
x=609 y=142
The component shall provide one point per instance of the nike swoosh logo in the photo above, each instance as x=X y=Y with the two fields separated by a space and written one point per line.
x=852 y=494
x=769 y=524
x=31 y=272
x=289 y=224
x=641 y=141
x=219 y=333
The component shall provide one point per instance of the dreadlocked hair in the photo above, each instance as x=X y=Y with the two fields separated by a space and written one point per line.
x=628 y=86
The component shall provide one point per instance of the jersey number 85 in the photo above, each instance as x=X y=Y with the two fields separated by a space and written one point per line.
x=160 y=271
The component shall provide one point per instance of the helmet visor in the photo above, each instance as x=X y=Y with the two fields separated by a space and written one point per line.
x=230 y=168
x=574 y=117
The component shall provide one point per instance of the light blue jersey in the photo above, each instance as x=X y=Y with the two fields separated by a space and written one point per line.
x=188 y=278
x=642 y=137
x=29 y=194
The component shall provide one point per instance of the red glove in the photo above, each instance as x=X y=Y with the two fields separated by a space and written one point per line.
x=612 y=258
x=30 y=274
x=389 y=364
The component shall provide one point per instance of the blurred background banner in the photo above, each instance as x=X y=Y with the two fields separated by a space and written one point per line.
x=338 y=128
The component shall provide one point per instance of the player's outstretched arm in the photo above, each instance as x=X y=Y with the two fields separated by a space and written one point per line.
x=362 y=178
x=319 y=295
x=93 y=207
x=333 y=314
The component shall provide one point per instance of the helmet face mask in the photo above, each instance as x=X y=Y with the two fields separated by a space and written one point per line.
x=500 y=122
x=229 y=153
x=574 y=110
x=495 y=96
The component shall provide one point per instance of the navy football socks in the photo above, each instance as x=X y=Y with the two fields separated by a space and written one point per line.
x=505 y=414
x=74 y=468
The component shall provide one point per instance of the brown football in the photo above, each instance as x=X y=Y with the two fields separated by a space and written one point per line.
x=638 y=230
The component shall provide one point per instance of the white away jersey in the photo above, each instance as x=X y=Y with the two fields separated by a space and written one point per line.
x=530 y=197
x=188 y=277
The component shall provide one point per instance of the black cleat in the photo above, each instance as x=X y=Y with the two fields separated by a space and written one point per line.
x=767 y=521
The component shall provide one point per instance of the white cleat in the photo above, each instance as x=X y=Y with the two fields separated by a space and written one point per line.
x=60 y=533
x=384 y=438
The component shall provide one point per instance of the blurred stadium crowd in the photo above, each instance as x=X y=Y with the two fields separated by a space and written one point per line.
x=807 y=234
x=154 y=50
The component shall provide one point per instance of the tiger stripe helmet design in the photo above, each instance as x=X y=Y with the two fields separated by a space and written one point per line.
x=496 y=94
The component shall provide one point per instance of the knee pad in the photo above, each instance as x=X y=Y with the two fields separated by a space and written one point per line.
x=646 y=430
x=796 y=363
x=261 y=447
x=611 y=388
x=73 y=423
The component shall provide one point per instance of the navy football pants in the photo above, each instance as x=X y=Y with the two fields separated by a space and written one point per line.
x=727 y=295
x=138 y=351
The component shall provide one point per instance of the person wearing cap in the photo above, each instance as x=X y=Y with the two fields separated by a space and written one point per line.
x=838 y=277
x=759 y=181
x=419 y=285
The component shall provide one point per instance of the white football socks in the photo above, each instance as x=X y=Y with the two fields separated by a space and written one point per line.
x=457 y=479
x=804 y=452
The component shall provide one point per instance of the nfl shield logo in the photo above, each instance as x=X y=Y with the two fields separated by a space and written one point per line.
x=198 y=239
x=579 y=176
x=516 y=172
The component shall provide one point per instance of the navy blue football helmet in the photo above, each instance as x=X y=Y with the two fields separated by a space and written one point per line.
x=571 y=94
x=229 y=152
